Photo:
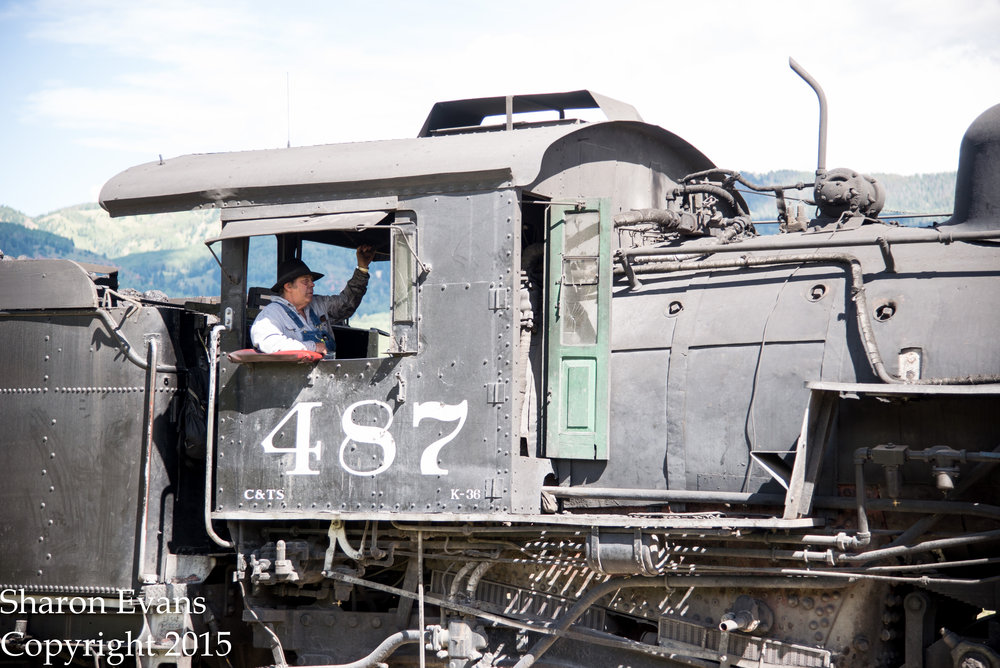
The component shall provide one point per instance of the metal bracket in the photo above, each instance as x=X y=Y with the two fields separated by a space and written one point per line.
x=424 y=268
x=916 y=606
x=890 y=262
x=400 y=388
x=499 y=299
x=496 y=393
x=817 y=423
x=909 y=364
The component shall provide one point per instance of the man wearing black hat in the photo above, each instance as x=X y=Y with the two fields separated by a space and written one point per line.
x=297 y=319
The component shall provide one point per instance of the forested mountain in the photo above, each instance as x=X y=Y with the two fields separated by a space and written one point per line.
x=914 y=194
x=16 y=240
x=9 y=215
x=167 y=252
x=90 y=228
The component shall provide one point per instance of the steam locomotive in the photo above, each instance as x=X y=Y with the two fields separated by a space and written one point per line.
x=610 y=424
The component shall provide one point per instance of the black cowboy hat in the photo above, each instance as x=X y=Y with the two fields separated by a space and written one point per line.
x=289 y=270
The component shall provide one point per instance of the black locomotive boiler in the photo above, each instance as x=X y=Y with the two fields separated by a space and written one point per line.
x=609 y=424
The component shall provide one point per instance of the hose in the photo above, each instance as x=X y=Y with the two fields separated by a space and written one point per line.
x=710 y=189
x=126 y=347
x=382 y=652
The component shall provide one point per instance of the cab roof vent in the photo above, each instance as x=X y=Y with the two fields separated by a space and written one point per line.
x=459 y=116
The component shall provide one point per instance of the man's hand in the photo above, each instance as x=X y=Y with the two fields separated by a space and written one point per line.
x=366 y=254
x=321 y=347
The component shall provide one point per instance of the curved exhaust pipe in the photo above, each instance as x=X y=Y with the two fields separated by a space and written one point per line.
x=821 y=159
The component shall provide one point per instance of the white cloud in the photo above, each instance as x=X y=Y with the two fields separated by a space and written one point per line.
x=903 y=78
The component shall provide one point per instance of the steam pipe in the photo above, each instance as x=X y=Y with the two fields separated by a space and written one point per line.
x=712 y=190
x=863 y=455
x=213 y=365
x=420 y=590
x=926 y=522
x=473 y=583
x=736 y=621
x=831 y=558
x=126 y=347
x=807 y=556
x=338 y=533
x=790 y=242
x=821 y=159
x=961 y=455
x=147 y=453
x=867 y=575
x=760 y=499
x=917 y=506
x=665 y=217
x=666 y=495
x=864 y=536
x=382 y=652
x=277 y=651
x=927 y=546
x=456 y=583
x=736 y=176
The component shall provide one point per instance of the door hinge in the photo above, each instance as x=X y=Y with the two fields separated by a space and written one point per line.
x=499 y=299
x=496 y=393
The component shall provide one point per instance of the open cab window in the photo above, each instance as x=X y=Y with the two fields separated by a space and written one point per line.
x=385 y=321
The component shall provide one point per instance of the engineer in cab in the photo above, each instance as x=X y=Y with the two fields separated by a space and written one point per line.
x=299 y=320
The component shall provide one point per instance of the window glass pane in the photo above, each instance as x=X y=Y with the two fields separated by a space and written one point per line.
x=578 y=284
x=334 y=262
x=578 y=314
x=337 y=263
x=403 y=276
x=262 y=266
x=580 y=270
x=582 y=235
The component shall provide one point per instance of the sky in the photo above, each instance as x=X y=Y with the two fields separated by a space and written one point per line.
x=92 y=87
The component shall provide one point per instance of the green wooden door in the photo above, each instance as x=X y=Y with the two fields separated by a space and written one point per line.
x=579 y=308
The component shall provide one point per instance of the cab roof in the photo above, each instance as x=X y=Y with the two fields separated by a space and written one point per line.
x=509 y=153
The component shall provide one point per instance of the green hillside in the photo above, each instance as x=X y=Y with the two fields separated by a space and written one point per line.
x=18 y=241
x=91 y=228
x=9 y=215
x=181 y=272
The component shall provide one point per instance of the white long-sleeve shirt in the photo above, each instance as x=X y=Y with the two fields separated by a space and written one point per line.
x=275 y=330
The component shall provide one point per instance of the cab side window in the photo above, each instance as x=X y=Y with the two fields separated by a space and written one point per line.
x=385 y=322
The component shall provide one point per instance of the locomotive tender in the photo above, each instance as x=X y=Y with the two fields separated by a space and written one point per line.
x=611 y=425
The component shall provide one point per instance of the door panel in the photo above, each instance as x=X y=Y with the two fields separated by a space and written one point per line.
x=579 y=331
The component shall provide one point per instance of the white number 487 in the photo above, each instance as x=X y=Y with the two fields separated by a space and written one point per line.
x=304 y=449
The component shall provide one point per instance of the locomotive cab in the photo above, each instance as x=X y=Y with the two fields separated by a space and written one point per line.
x=496 y=244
